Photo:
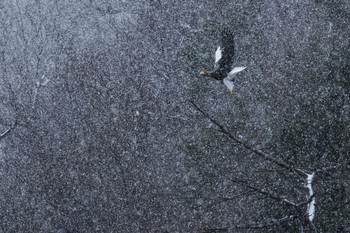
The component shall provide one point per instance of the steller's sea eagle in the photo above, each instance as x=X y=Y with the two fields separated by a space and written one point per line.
x=223 y=61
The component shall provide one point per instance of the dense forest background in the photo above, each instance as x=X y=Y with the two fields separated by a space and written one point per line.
x=105 y=125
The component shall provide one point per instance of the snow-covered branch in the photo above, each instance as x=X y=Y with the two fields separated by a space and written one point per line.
x=311 y=205
x=310 y=212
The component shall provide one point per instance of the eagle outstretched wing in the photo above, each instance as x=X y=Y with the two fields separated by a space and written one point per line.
x=227 y=48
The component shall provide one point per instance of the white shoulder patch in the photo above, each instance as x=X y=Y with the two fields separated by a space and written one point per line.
x=218 y=54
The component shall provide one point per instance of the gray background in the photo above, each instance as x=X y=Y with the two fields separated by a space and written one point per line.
x=101 y=134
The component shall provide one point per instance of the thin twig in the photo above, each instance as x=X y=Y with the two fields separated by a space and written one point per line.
x=8 y=130
x=270 y=223
x=325 y=169
x=265 y=193
x=225 y=199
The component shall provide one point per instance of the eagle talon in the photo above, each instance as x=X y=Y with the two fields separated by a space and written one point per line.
x=202 y=73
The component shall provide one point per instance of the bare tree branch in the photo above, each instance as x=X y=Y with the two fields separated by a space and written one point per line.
x=213 y=230
x=226 y=199
x=8 y=130
x=250 y=148
x=295 y=207
x=265 y=193
x=290 y=217
x=325 y=169
x=272 y=222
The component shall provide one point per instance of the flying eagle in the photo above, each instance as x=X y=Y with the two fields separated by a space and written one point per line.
x=223 y=62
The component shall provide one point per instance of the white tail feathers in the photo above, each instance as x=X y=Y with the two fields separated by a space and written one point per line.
x=236 y=70
x=232 y=74
x=228 y=83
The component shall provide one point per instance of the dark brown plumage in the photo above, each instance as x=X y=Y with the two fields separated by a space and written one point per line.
x=224 y=64
x=223 y=61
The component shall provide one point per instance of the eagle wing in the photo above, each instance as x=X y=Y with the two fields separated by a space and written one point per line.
x=227 y=48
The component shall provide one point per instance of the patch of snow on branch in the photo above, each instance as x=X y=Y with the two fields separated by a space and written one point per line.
x=311 y=205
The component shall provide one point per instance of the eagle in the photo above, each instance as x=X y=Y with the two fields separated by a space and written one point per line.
x=223 y=62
